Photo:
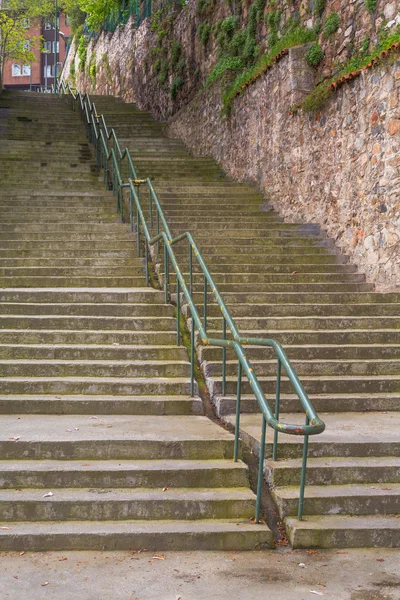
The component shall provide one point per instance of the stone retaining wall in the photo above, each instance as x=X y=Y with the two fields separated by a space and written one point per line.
x=339 y=168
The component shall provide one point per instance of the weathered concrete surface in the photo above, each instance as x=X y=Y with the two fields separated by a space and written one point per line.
x=276 y=575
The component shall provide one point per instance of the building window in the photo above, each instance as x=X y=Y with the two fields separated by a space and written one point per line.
x=49 y=71
x=26 y=70
x=47 y=46
x=56 y=49
x=16 y=70
x=47 y=26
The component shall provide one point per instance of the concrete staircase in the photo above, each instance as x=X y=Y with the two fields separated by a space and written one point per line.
x=101 y=446
x=289 y=282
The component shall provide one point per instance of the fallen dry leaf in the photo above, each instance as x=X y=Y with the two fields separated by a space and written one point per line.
x=164 y=488
x=159 y=557
x=48 y=495
x=22 y=553
x=316 y=593
x=62 y=558
x=45 y=583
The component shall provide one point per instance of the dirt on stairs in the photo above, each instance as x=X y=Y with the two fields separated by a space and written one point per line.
x=101 y=445
x=288 y=282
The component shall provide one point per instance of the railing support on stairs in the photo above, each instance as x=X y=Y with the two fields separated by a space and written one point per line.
x=110 y=157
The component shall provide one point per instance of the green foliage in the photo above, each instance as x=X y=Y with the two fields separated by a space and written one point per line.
x=177 y=85
x=365 y=45
x=229 y=24
x=260 y=5
x=332 y=24
x=319 y=7
x=315 y=55
x=231 y=63
x=237 y=43
x=294 y=37
x=82 y=52
x=176 y=51
x=371 y=5
x=204 y=31
x=106 y=65
x=14 y=34
x=323 y=91
x=203 y=6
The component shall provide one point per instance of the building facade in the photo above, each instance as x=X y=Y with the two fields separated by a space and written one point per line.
x=40 y=73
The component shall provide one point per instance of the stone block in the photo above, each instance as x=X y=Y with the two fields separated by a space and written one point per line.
x=301 y=76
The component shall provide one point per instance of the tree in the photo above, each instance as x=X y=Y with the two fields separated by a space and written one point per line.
x=15 y=41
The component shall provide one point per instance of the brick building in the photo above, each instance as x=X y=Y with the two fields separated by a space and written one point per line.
x=41 y=72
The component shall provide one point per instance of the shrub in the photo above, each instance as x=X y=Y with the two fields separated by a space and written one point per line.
x=319 y=7
x=203 y=31
x=315 y=55
x=332 y=24
x=82 y=52
x=177 y=85
x=229 y=24
x=371 y=5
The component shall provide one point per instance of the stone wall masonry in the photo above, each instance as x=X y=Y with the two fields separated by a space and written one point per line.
x=339 y=168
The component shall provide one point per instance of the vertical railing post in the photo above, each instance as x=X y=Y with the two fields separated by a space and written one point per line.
x=205 y=304
x=131 y=207
x=277 y=407
x=237 y=423
x=178 y=311
x=190 y=270
x=192 y=359
x=138 y=232
x=261 y=468
x=303 y=474
x=224 y=358
x=151 y=209
x=146 y=257
x=158 y=231
x=166 y=273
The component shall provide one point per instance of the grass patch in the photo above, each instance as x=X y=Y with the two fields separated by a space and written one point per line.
x=293 y=38
x=353 y=67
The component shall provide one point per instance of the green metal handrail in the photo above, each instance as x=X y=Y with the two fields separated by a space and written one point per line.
x=111 y=162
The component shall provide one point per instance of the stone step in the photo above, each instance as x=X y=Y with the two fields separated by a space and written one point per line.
x=309 y=352
x=319 y=384
x=127 y=504
x=345 y=402
x=130 y=272
x=307 y=310
x=136 y=386
x=92 y=352
x=94 y=368
x=354 y=499
x=335 y=471
x=368 y=434
x=138 y=437
x=340 y=531
x=314 y=367
x=244 y=279
x=83 y=295
x=151 y=474
x=103 y=405
x=135 y=535
x=96 y=323
x=73 y=281
x=107 y=337
x=81 y=309
x=390 y=322
x=334 y=336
